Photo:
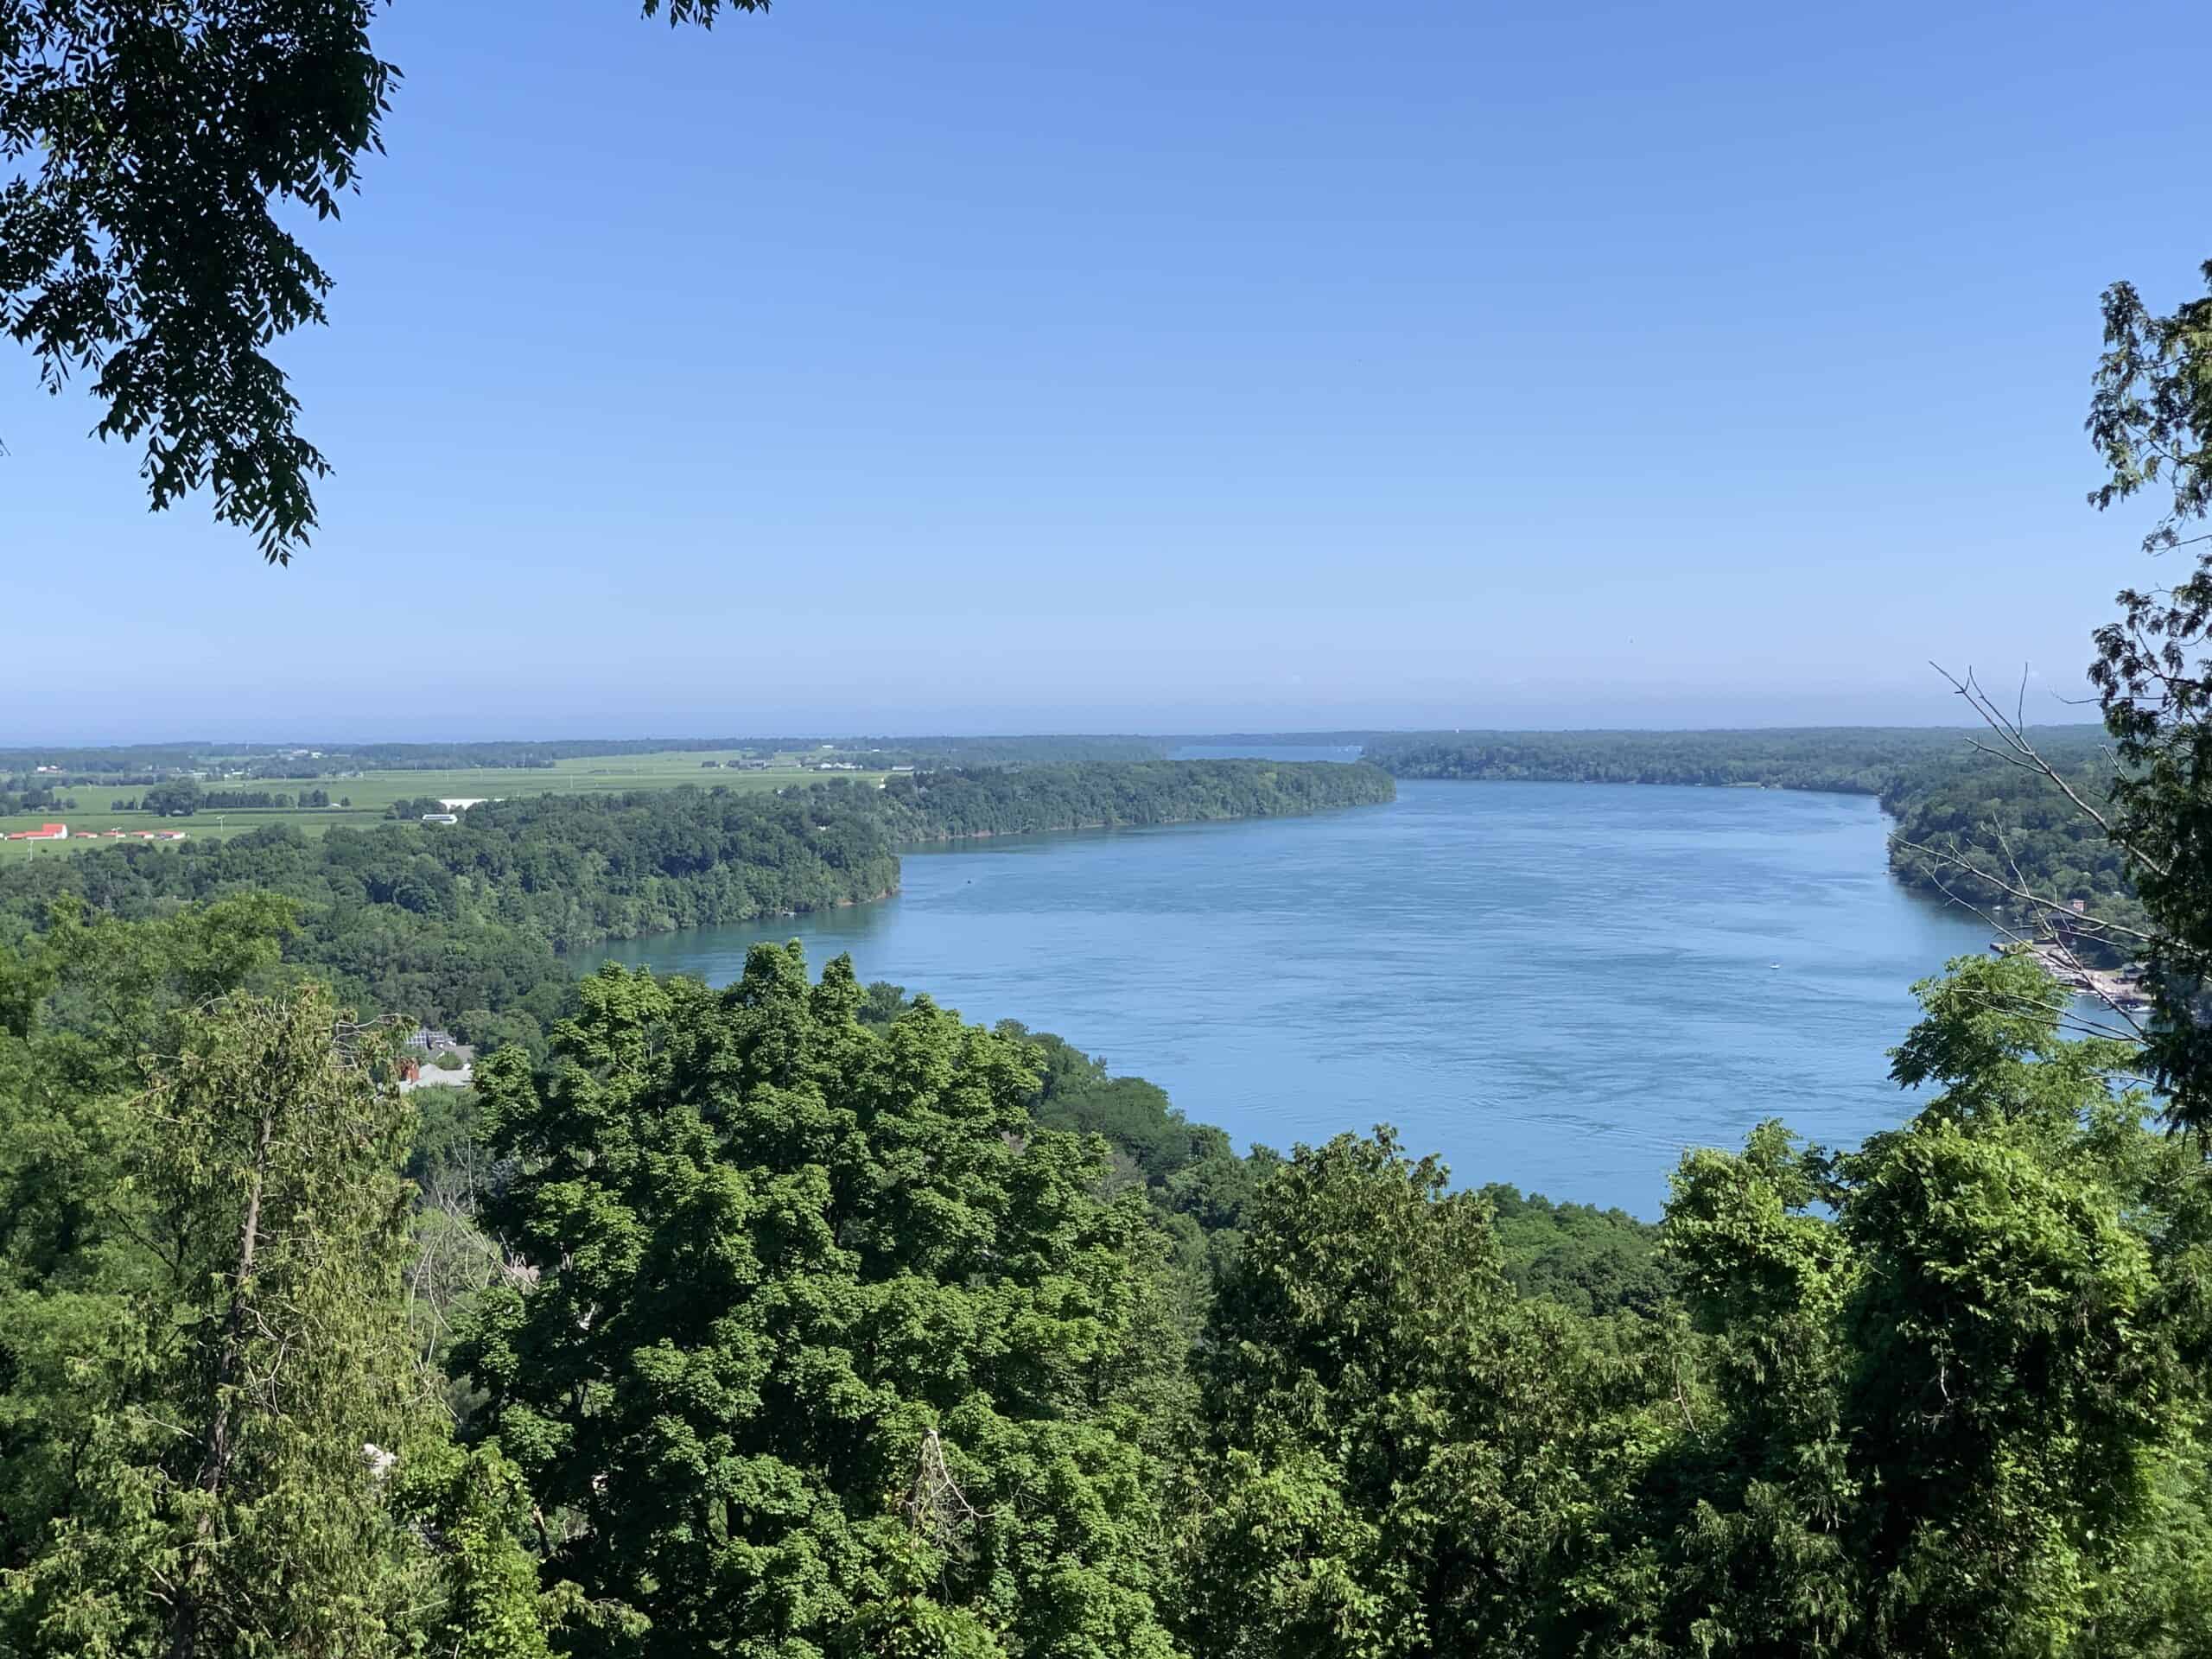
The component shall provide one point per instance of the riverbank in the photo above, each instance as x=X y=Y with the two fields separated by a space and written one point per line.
x=2122 y=988
x=1561 y=987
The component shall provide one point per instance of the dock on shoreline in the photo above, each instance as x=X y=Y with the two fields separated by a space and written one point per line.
x=2124 y=987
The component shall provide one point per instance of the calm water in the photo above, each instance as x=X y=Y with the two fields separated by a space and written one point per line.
x=1557 y=985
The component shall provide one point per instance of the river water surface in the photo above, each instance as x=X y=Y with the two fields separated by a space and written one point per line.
x=1561 y=986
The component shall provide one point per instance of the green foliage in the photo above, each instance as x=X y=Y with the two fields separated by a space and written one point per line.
x=157 y=153
x=82 y=1007
x=702 y=12
x=1391 y=1465
x=1196 y=1182
x=211 y=1370
x=1862 y=760
x=2151 y=421
x=449 y=1150
x=434 y=921
x=140 y=240
x=786 y=1331
x=479 y=1580
x=1975 y=829
x=1076 y=1093
x=1593 y=1261
x=830 y=1346
x=1944 y=1398
x=178 y=799
x=488 y=1032
x=946 y=805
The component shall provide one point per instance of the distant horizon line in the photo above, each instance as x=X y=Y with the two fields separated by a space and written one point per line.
x=1321 y=736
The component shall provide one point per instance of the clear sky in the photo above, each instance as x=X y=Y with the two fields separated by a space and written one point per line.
x=988 y=365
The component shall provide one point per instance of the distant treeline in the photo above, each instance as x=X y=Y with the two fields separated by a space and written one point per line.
x=249 y=800
x=887 y=751
x=946 y=805
x=466 y=923
x=147 y=763
x=40 y=799
x=150 y=760
x=1856 y=760
x=32 y=786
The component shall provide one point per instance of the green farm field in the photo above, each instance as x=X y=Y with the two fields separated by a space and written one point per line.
x=372 y=794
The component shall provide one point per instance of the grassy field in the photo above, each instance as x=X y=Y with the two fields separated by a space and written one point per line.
x=372 y=794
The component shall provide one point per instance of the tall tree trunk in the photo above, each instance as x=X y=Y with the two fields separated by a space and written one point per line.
x=215 y=1460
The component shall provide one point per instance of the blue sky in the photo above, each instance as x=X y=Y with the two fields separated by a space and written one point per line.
x=1005 y=366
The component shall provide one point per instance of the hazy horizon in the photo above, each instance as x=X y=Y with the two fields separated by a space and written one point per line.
x=405 y=722
x=810 y=734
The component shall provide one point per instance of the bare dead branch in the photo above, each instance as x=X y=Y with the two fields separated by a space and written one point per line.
x=2018 y=750
x=2005 y=929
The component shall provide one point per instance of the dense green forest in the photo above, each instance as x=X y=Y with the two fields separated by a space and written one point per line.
x=1856 y=760
x=945 y=806
x=466 y=924
x=802 y=1319
x=2021 y=832
x=1859 y=760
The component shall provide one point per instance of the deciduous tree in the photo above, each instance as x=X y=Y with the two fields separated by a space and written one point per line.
x=830 y=1351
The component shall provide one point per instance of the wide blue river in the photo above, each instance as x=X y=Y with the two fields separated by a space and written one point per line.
x=1561 y=986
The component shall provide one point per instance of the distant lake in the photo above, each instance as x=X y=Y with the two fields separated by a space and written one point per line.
x=1558 y=985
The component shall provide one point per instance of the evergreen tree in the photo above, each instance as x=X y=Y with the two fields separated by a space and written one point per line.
x=217 y=1369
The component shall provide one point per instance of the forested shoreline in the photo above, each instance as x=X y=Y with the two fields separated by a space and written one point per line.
x=466 y=924
x=958 y=805
x=1844 y=760
x=1979 y=813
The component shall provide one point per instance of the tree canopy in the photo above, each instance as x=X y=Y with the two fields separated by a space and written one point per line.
x=214 y=1440
x=800 y=1318
x=829 y=1343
